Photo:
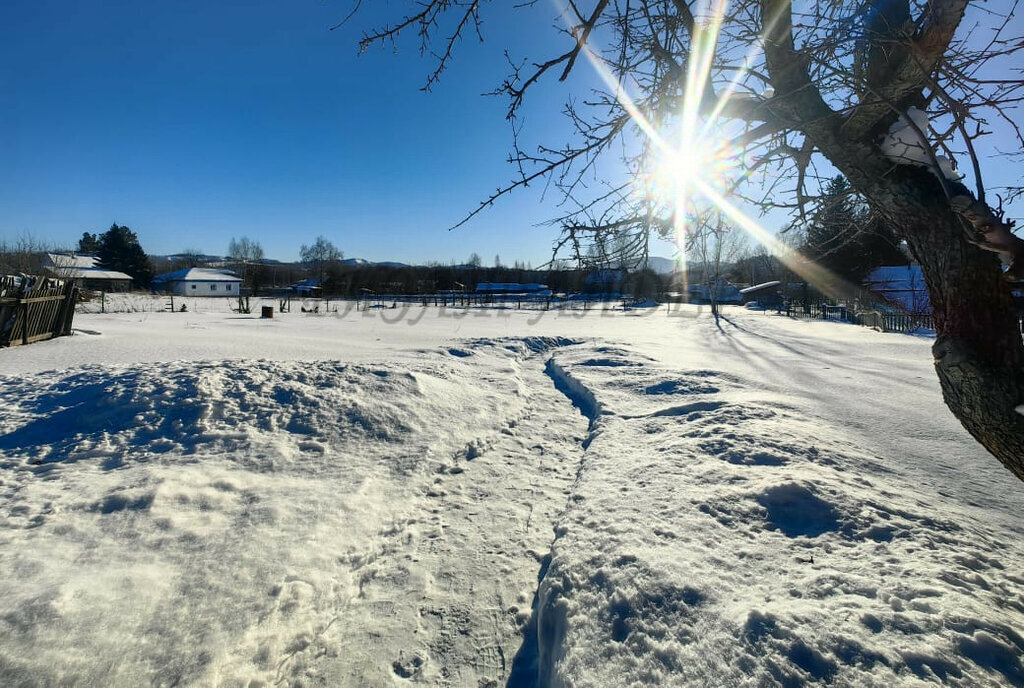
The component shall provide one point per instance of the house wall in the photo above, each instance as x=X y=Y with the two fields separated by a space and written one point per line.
x=201 y=288
x=109 y=285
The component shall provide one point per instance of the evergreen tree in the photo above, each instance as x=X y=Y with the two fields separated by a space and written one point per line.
x=119 y=250
x=89 y=243
x=843 y=237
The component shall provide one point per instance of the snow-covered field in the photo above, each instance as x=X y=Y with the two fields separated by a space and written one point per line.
x=489 y=497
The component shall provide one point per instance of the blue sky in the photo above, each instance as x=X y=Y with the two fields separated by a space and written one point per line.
x=194 y=122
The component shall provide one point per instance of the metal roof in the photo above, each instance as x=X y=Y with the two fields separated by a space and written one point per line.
x=196 y=275
x=80 y=266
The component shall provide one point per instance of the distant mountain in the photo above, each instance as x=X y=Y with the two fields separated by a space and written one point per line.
x=200 y=258
x=362 y=262
x=662 y=266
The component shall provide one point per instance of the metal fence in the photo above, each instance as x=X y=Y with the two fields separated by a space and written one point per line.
x=35 y=308
x=886 y=322
x=543 y=302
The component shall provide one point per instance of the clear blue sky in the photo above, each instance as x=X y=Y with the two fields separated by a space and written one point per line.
x=195 y=121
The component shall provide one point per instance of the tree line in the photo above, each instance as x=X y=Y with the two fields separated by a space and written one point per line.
x=841 y=235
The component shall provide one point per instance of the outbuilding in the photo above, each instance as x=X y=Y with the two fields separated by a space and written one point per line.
x=85 y=270
x=198 y=282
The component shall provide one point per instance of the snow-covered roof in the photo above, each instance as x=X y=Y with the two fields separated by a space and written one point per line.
x=760 y=287
x=196 y=275
x=72 y=260
x=81 y=266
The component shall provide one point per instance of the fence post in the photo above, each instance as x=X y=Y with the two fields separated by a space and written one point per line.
x=24 y=320
x=67 y=314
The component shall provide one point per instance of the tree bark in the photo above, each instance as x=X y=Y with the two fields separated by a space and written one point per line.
x=979 y=352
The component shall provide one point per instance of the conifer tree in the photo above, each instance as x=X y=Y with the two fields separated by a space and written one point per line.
x=119 y=249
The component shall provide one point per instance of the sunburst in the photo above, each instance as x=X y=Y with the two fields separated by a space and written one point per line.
x=692 y=165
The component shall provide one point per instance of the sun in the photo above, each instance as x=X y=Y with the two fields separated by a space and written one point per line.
x=693 y=163
x=678 y=174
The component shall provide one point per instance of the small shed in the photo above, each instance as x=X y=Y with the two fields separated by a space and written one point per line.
x=198 y=282
x=84 y=270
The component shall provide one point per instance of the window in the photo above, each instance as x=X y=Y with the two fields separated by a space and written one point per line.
x=193 y=286
x=228 y=287
x=213 y=287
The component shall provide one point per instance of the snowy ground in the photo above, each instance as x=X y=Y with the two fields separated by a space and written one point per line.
x=483 y=498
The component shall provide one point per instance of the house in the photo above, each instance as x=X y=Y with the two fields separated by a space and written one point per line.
x=307 y=287
x=724 y=292
x=198 y=282
x=901 y=286
x=85 y=270
x=767 y=294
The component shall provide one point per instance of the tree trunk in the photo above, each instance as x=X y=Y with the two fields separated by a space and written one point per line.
x=979 y=352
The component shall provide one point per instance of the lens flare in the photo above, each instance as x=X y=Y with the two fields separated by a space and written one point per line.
x=674 y=173
x=693 y=163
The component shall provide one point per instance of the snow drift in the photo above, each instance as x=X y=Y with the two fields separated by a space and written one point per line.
x=609 y=500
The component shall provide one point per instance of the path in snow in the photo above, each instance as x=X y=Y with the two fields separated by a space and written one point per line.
x=719 y=535
x=446 y=595
x=769 y=501
x=280 y=523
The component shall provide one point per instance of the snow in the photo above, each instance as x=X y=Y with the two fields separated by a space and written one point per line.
x=904 y=144
x=197 y=275
x=480 y=497
x=78 y=266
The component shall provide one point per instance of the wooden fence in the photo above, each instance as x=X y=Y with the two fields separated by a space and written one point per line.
x=35 y=308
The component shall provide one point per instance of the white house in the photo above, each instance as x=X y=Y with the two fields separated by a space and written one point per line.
x=198 y=282
x=85 y=270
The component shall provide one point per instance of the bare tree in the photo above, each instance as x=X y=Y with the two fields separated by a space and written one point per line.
x=24 y=255
x=714 y=245
x=247 y=255
x=761 y=100
x=320 y=257
x=756 y=265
